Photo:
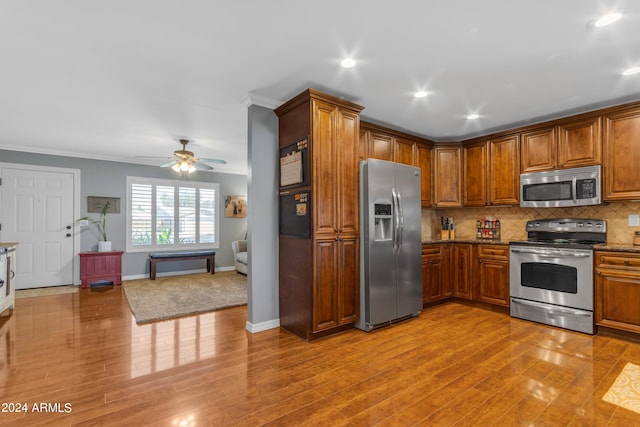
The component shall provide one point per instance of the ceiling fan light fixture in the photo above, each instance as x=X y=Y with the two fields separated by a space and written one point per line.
x=176 y=167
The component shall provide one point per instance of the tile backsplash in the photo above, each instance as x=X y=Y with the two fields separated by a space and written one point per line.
x=513 y=219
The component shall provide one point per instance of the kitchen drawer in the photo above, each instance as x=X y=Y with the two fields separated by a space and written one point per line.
x=432 y=250
x=618 y=260
x=493 y=251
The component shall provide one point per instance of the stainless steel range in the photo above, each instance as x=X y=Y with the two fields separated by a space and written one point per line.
x=551 y=273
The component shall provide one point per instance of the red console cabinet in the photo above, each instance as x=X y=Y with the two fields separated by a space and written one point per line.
x=100 y=267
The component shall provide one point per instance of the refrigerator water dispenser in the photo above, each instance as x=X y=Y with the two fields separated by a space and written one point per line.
x=382 y=222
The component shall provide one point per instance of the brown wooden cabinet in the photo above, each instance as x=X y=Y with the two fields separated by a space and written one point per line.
x=493 y=271
x=380 y=146
x=622 y=155
x=461 y=268
x=538 y=150
x=618 y=290
x=492 y=171
x=580 y=143
x=319 y=275
x=434 y=274
x=423 y=152
x=570 y=144
x=396 y=146
x=504 y=170
x=336 y=271
x=475 y=173
x=405 y=152
x=447 y=176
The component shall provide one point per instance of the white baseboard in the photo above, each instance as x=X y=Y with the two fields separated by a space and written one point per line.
x=175 y=273
x=262 y=326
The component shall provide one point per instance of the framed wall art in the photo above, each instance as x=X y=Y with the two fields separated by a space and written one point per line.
x=235 y=206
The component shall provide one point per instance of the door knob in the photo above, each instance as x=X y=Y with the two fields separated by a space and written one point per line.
x=68 y=227
x=68 y=234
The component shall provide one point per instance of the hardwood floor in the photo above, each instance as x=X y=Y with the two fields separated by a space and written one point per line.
x=453 y=365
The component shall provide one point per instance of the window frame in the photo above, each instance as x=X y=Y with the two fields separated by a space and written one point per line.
x=176 y=184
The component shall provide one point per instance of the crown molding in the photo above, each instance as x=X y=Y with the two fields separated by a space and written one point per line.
x=253 y=98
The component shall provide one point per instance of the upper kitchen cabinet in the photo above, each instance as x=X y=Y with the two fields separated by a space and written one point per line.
x=622 y=155
x=447 y=176
x=396 y=146
x=504 y=170
x=538 y=150
x=475 y=173
x=569 y=144
x=424 y=163
x=492 y=171
x=580 y=143
x=380 y=146
x=404 y=152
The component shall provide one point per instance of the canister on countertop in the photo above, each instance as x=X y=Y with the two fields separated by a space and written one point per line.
x=636 y=238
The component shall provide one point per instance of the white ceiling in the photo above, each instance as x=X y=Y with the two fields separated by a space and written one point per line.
x=124 y=78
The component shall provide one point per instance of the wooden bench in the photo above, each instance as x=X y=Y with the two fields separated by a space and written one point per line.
x=209 y=255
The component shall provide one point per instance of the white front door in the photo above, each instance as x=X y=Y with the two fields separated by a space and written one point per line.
x=37 y=211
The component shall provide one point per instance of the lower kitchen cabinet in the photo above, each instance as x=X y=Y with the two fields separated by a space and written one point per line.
x=493 y=271
x=336 y=300
x=461 y=270
x=434 y=273
x=618 y=290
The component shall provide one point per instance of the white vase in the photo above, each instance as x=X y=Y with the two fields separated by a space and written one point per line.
x=104 y=246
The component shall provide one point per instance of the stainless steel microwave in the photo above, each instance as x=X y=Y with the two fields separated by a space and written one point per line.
x=561 y=188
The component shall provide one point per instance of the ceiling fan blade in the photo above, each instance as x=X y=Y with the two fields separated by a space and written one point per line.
x=167 y=165
x=218 y=161
x=202 y=166
x=154 y=157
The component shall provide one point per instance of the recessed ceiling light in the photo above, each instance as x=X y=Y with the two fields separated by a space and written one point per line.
x=473 y=116
x=607 y=19
x=420 y=94
x=348 y=63
x=631 y=71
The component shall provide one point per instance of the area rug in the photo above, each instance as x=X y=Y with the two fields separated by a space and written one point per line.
x=170 y=297
x=625 y=391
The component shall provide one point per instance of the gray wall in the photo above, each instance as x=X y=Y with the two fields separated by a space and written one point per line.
x=263 y=307
x=105 y=178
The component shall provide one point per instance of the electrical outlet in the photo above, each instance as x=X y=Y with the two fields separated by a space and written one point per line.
x=634 y=220
x=83 y=223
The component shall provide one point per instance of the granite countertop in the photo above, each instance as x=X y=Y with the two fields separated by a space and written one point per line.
x=615 y=247
x=482 y=241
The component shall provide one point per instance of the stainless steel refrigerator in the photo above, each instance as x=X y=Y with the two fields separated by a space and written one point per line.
x=391 y=263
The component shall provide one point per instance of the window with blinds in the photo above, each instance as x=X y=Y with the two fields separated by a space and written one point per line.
x=168 y=214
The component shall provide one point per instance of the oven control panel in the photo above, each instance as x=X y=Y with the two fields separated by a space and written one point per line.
x=569 y=224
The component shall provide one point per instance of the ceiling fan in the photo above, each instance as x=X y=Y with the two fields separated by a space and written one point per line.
x=185 y=161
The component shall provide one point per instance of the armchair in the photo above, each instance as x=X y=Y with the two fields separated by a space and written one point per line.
x=240 y=255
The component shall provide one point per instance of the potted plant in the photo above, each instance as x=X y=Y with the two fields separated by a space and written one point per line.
x=104 y=245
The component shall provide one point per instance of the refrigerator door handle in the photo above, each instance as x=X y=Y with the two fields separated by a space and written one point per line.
x=396 y=220
x=400 y=221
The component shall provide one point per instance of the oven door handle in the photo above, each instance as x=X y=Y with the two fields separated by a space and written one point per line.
x=550 y=254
